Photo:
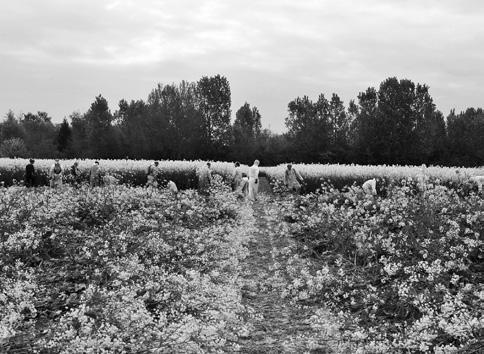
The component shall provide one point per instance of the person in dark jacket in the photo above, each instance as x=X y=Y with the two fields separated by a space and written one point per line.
x=75 y=173
x=30 y=174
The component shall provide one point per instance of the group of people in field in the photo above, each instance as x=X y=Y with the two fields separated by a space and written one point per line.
x=57 y=173
x=154 y=177
x=245 y=186
x=422 y=179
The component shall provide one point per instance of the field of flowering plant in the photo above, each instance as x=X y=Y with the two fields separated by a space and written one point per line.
x=131 y=172
x=120 y=269
x=347 y=175
x=400 y=274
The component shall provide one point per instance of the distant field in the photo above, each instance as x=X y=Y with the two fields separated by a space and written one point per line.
x=346 y=175
x=184 y=173
x=132 y=172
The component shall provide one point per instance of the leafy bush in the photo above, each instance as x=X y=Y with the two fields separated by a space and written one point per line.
x=400 y=274
x=119 y=269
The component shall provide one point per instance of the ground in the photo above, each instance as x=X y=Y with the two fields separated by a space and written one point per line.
x=272 y=322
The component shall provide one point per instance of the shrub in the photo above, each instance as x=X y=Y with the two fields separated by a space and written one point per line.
x=14 y=147
x=400 y=274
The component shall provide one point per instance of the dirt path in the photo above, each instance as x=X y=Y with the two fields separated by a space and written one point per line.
x=272 y=322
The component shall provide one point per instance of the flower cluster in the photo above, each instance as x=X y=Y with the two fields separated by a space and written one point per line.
x=120 y=269
x=399 y=274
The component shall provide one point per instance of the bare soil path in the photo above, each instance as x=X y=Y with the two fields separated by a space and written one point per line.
x=272 y=321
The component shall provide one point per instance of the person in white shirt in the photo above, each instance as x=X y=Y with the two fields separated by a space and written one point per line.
x=172 y=187
x=479 y=181
x=254 y=181
x=369 y=187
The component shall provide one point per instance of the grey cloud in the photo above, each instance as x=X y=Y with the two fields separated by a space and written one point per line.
x=58 y=55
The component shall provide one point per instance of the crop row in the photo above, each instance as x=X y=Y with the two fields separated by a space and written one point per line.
x=399 y=274
x=346 y=175
x=121 y=269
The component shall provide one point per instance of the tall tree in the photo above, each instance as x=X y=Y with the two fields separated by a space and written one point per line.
x=339 y=129
x=39 y=134
x=430 y=134
x=309 y=128
x=396 y=121
x=64 y=137
x=133 y=121
x=177 y=120
x=352 y=114
x=11 y=127
x=100 y=135
x=364 y=127
x=190 y=124
x=246 y=130
x=466 y=137
x=214 y=104
x=79 y=135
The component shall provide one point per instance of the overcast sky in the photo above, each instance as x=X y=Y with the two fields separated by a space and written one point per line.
x=57 y=55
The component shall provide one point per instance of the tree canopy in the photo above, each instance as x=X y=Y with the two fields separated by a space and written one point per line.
x=398 y=123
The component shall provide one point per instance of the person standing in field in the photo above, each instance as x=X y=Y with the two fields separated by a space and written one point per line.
x=95 y=175
x=237 y=178
x=242 y=188
x=152 y=175
x=205 y=179
x=254 y=181
x=75 y=170
x=75 y=173
x=292 y=179
x=56 y=175
x=30 y=174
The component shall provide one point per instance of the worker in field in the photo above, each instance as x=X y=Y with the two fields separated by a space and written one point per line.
x=153 y=174
x=95 y=175
x=254 y=181
x=75 y=173
x=242 y=187
x=171 y=186
x=237 y=177
x=292 y=179
x=55 y=175
x=30 y=174
x=205 y=179
x=369 y=187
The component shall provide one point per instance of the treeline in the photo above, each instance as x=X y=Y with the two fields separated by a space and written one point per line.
x=396 y=124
